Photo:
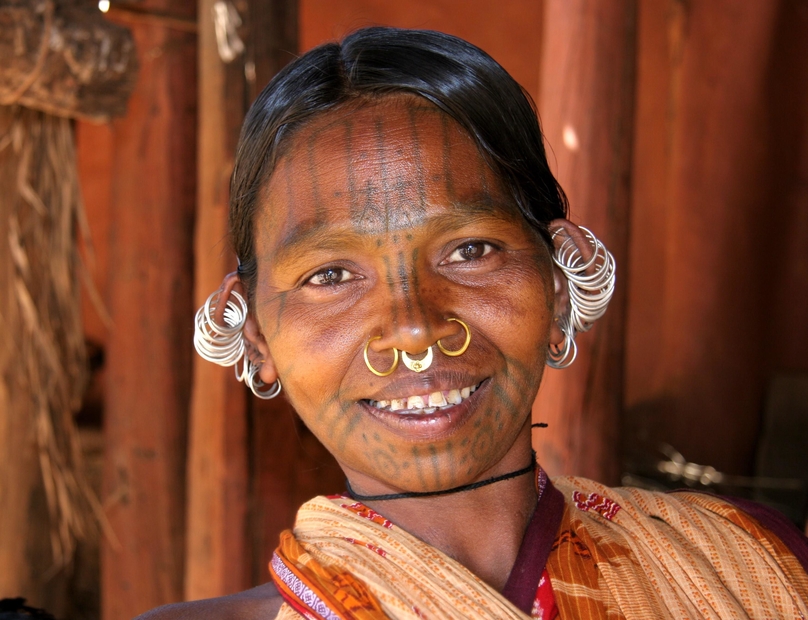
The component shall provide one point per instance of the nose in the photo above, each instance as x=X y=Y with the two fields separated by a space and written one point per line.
x=415 y=333
x=413 y=339
x=415 y=307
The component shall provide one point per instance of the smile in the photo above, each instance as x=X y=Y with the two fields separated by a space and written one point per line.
x=425 y=404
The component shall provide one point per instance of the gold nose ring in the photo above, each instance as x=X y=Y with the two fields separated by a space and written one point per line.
x=462 y=349
x=370 y=366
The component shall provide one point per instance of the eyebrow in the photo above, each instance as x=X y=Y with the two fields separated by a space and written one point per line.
x=464 y=211
x=326 y=235
x=320 y=234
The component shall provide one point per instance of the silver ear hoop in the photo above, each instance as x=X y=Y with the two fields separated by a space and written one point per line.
x=563 y=355
x=255 y=384
x=224 y=345
x=590 y=284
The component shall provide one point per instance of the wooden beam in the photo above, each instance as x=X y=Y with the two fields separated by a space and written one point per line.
x=65 y=59
x=586 y=105
x=288 y=464
x=148 y=358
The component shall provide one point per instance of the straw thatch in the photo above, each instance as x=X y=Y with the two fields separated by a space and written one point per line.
x=48 y=371
x=59 y=59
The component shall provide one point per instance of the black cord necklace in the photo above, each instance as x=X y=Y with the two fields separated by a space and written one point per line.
x=460 y=489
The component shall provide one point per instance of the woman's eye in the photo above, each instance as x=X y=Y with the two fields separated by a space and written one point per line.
x=331 y=276
x=469 y=251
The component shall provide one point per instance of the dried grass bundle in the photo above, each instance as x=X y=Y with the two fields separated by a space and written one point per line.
x=43 y=210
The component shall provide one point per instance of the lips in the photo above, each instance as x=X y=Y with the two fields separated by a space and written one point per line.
x=418 y=420
x=425 y=404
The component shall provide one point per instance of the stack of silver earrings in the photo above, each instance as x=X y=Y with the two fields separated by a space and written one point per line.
x=225 y=345
x=591 y=286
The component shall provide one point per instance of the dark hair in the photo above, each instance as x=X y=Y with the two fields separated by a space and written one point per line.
x=457 y=77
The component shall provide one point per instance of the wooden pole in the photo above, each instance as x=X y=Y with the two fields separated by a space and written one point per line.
x=586 y=105
x=288 y=464
x=150 y=346
x=244 y=487
x=62 y=57
x=217 y=458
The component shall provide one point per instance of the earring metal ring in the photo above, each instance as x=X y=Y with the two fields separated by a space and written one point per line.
x=462 y=349
x=563 y=355
x=417 y=365
x=370 y=366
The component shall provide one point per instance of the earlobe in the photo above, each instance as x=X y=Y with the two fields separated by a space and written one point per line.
x=255 y=345
x=561 y=300
x=257 y=350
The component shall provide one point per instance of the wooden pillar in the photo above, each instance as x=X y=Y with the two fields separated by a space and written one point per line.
x=586 y=105
x=220 y=543
x=217 y=458
x=787 y=97
x=148 y=367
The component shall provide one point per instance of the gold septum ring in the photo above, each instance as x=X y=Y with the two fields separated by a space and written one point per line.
x=418 y=365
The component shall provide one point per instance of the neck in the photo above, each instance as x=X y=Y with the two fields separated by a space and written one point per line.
x=482 y=528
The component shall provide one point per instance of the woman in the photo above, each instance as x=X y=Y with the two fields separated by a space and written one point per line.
x=409 y=271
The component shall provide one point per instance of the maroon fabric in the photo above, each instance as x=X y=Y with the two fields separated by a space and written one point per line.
x=535 y=549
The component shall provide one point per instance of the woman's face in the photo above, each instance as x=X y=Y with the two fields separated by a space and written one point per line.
x=383 y=220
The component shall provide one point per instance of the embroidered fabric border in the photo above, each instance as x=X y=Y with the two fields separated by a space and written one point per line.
x=301 y=590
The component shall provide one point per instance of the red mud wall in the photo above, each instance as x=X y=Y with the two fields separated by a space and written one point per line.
x=718 y=279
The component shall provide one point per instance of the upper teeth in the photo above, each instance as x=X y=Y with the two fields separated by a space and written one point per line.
x=427 y=403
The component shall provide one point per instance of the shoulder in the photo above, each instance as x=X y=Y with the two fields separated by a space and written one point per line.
x=261 y=603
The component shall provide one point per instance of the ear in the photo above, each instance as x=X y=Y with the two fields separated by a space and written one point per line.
x=564 y=231
x=256 y=348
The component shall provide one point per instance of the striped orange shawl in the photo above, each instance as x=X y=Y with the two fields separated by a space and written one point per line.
x=619 y=553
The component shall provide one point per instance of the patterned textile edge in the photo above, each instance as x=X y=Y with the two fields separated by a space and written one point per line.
x=295 y=592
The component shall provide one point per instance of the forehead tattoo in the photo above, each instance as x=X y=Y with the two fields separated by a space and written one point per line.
x=391 y=200
x=386 y=178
